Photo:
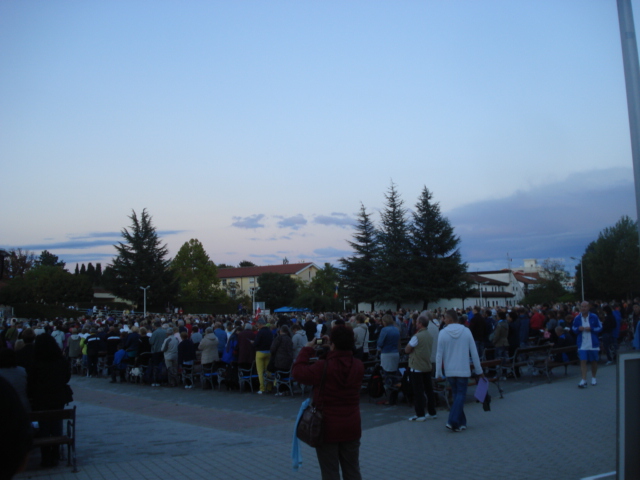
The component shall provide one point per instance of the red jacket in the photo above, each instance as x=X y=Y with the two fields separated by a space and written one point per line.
x=537 y=321
x=340 y=395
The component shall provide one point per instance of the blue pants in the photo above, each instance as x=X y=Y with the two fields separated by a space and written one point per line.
x=459 y=385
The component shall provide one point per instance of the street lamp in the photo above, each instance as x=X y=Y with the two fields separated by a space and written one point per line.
x=145 y=298
x=253 y=299
x=480 y=289
x=581 y=276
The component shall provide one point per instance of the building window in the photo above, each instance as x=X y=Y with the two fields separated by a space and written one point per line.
x=224 y=281
x=252 y=280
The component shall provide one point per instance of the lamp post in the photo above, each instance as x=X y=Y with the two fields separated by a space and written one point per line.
x=145 y=298
x=480 y=290
x=253 y=299
x=581 y=276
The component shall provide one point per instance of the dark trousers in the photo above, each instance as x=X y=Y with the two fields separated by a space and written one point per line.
x=341 y=455
x=93 y=365
x=156 y=365
x=421 y=382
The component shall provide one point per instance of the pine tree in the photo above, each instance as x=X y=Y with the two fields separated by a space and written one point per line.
x=83 y=270
x=392 y=283
x=91 y=272
x=141 y=262
x=358 y=271
x=436 y=269
x=77 y=272
x=98 y=275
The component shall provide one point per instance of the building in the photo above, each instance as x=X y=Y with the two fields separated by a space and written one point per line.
x=245 y=279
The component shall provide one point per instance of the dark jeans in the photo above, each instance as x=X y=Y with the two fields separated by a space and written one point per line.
x=93 y=364
x=459 y=386
x=421 y=382
x=610 y=346
x=156 y=366
x=341 y=455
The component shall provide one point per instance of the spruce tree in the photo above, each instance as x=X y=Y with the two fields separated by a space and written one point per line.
x=358 y=271
x=436 y=269
x=393 y=284
x=142 y=262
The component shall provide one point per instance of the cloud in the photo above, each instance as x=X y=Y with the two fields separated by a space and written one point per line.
x=89 y=240
x=88 y=257
x=294 y=223
x=556 y=220
x=251 y=222
x=341 y=220
x=330 y=252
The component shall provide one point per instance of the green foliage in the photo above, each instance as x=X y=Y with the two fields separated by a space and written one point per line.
x=611 y=263
x=33 y=310
x=276 y=290
x=141 y=262
x=246 y=263
x=319 y=294
x=548 y=291
x=47 y=258
x=394 y=260
x=18 y=263
x=358 y=271
x=47 y=285
x=196 y=274
x=436 y=270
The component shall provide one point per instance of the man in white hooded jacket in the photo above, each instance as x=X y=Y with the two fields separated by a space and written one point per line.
x=455 y=346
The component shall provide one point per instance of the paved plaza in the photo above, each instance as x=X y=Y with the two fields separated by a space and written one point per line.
x=538 y=431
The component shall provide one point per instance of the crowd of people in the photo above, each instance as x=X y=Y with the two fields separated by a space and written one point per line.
x=38 y=356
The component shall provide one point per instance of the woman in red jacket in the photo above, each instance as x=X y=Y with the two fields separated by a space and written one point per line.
x=339 y=401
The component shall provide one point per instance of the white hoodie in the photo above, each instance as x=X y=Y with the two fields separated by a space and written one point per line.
x=455 y=345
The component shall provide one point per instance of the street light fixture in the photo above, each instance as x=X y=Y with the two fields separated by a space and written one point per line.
x=581 y=276
x=480 y=290
x=145 y=298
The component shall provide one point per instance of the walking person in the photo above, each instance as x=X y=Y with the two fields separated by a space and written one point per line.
x=419 y=350
x=587 y=326
x=455 y=345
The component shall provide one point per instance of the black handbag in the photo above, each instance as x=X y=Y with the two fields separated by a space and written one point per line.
x=309 y=428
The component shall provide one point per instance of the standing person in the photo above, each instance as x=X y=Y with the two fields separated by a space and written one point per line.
x=455 y=344
x=419 y=350
x=186 y=357
x=361 y=333
x=587 y=326
x=246 y=353
x=299 y=339
x=339 y=398
x=310 y=327
x=157 y=339
x=500 y=336
x=47 y=387
x=262 y=345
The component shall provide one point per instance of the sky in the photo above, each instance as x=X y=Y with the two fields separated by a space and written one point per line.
x=259 y=128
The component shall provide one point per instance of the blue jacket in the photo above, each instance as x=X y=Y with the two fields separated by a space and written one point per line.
x=388 y=339
x=596 y=327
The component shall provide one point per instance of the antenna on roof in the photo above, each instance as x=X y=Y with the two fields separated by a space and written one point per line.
x=509 y=260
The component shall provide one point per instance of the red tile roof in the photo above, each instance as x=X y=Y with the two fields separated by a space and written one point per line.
x=475 y=278
x=527 y=278
x=288 y=269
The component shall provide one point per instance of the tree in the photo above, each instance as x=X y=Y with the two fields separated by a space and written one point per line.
x=142 y=262
x=611 y=263
x=392 y=282
x=246 y=263
x=98 y=277
x=320 y=293
x=18 y=263
x=436 y=270
x=224 y=265
x=550 y=288
x=358 y=271
x=47 y=284
x=276 y=290
x=47 y=258
x=83 y=270
x=195 y=273
x=91 y=272
x=77 y=271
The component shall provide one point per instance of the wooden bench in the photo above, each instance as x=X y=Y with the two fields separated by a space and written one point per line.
x=533 y=359
x=68 y=439
x=572 y=353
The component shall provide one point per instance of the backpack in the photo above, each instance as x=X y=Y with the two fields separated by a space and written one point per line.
x=375 y=389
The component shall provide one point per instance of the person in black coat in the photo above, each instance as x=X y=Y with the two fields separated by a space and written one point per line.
x=48 y=389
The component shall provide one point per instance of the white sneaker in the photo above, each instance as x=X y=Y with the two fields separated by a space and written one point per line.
x=582 y=384
x=415 y=418
x=429 y=417
x=594 y=382
x=259 y=392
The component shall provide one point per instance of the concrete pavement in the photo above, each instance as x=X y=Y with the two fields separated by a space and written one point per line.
x=538 y=431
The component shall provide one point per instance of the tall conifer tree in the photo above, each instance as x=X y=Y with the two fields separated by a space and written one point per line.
x=358 y=271
x=436 y=269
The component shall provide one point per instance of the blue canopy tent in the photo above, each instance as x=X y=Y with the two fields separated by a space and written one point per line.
x=291 y=310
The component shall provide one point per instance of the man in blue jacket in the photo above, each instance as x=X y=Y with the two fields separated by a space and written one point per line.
x=587 y=326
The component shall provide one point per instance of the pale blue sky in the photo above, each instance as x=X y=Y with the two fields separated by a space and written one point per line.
x=259 y=127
